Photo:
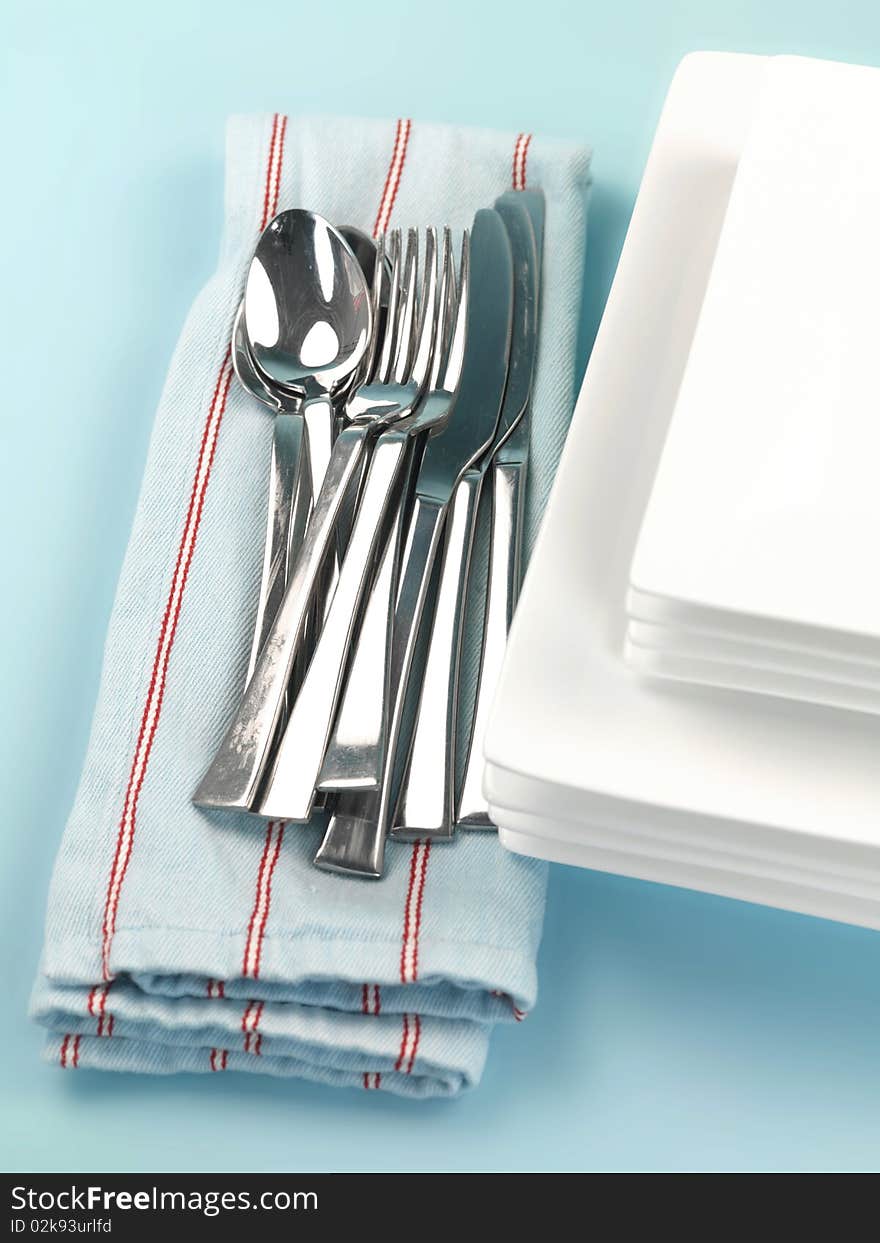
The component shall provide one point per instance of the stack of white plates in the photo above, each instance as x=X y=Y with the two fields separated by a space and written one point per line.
x=771 y=799
x=755 y=567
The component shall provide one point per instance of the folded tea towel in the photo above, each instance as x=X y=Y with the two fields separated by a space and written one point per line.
x=180 y=940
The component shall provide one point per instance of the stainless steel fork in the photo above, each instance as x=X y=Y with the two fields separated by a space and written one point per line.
x=354 y=755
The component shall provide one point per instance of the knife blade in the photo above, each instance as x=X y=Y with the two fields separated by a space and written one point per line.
x=508 y=493
x=450 y=473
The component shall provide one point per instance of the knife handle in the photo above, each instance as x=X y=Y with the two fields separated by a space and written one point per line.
x=502 y=590
x=425 y=804
x=234 y=775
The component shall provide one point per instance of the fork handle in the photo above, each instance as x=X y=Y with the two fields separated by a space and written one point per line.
x=352 y=844
x=354 y=840
x=502 y=590
x=353 y=760
x=360 y=720
x=289 y=792
x=425 y=805
x=234 y=775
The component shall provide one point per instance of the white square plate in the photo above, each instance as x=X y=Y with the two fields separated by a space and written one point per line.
x=634 y=845
x=568 y=713
x=672 y=653
x=726 y=881
x=548 y=807
x=765 y=504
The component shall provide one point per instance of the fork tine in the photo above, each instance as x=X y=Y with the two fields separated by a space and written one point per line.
x=430 y=312
x=454 y=355
x=403 y=334
x=445 y=296
x=383 y=369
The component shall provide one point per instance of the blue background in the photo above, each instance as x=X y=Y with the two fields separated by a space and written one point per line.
x=674 y=1030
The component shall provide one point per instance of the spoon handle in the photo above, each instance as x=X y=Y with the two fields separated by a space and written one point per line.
x=319 y=416
x=234 y=775
x=289 y=501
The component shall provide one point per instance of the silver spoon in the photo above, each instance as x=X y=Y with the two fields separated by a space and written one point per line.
x=233 y=777
x=290 y=486
x=308 y=317
x=364 y=250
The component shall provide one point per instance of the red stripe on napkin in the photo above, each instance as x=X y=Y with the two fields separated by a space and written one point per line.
x=518 y=1014
x=273 y=169
x=156 y=690
x=392 y=180
x=412 y=913
x=168 y=628
x=371 y=1000
x=253 y=949
x=97 y=1007
x=409 y=1043
x=69 y=1056
x=411 y=1061
x=520 y=155
x=404 y=1042
x=250 y=1021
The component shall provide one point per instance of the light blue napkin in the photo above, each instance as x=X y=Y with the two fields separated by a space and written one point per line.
x=180 y=940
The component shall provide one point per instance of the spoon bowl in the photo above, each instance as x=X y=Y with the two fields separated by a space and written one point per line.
x=251 y=378
x=364 y=250
x=251 y=375
x=307 y=304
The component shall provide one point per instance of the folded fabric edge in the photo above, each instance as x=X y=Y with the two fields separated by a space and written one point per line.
x=489 y=983
x=70 y=1050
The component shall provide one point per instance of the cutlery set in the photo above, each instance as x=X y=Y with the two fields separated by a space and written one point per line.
x=399 y=374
